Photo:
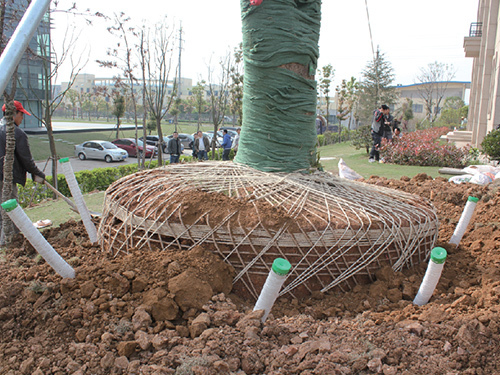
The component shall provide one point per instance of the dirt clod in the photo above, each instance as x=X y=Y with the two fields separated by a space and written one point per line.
x=168 y=312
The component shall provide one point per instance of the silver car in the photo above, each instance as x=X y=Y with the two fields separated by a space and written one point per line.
x=100 y=150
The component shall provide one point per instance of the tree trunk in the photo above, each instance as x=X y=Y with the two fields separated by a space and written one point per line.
x=8 y=164
x=117 y=127
x=280 y=40
x=160 y=140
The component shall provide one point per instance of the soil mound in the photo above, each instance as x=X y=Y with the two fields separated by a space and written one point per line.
x=172 y=312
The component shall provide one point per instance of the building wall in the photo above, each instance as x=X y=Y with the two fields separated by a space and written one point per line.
x=31 y=72
x=484 y=108
x=87 y=83
x=413 y=92
x=416 y=91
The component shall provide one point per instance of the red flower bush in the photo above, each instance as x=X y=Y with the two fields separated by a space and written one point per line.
x=423 y=148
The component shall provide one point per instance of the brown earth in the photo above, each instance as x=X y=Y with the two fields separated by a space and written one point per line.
x=166 y=312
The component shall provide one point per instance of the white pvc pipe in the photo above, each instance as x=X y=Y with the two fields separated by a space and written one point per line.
x=22 y=221
x=464 y=220
x=432 y=276
x=80 y=203
x=19 y=41
x=272 y=286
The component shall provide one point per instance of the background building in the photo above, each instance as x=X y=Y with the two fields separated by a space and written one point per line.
x=483 y=45
x=31 y=71
x=418 y=91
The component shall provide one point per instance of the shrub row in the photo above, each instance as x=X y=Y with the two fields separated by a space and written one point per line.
x=423 y=148
x=329 y=138
x=98 y=179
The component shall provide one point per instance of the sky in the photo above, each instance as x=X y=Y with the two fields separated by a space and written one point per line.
x=411 y=34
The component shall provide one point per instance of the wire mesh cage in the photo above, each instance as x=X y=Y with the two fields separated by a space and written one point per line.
x=336 y=233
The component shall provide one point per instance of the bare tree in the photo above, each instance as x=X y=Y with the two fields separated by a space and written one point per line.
x=158 y=55
x=52 y=61
x=325 y=79
x=198 y=99
x=236 y=86
x=434 y=79
x=218 y=86
x=142 y=53
x=347 y=93
x=123 y=58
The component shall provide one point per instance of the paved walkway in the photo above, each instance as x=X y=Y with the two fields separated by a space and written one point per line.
x=75 y=127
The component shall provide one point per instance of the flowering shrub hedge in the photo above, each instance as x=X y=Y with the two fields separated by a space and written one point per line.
x=423 y=148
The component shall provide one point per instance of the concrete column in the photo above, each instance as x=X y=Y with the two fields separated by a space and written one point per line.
x=485 y=61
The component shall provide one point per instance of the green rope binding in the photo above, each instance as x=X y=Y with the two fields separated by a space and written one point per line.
x=279 y=105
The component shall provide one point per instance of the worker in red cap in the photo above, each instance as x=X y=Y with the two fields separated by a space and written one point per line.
x=23 y=161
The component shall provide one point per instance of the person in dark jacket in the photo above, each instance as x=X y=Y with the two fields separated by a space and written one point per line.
x=201 y=146
x=388 y=125
x=174 y=148
x=377 y=131
x=226 y=145
x=23 y=161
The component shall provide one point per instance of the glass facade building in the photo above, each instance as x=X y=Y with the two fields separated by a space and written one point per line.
x=32 y=82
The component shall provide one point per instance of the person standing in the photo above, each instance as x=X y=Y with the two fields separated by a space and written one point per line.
x=23 y=161
x=388 y=124
x=201 y=146
x=226 y=145
x=174 y=148
x=236 y=141
x=377 y=131
x=191 y=146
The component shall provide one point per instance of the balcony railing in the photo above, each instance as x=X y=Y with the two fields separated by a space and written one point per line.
x=476 y=29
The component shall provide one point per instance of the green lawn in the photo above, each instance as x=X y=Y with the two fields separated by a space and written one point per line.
x=59 y=212
x=358 y=161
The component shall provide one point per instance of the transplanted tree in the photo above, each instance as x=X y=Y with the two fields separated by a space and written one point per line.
x=175 y=110
x=324 y=82
x=434 y=81
x=199 y=100
x=118 y=111
x=122 y=58
x=406 y=113
x=454 y=109
x=52 y=60
x=347 y=94
x=236 y=86
x=218 y=94
x=376 y=87
x=280 y=53
x=157 y=55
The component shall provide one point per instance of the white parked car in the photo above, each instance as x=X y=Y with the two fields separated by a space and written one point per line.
x=100 y=150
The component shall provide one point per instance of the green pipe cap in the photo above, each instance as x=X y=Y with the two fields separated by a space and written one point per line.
x=438 y=255
x=473 y=199
x=9 y=205
x=63 y=160
x=281 y=266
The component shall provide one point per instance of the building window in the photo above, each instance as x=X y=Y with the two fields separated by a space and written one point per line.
x=418 y=108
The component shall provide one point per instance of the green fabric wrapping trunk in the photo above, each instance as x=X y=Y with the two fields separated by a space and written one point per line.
x=279 y=105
